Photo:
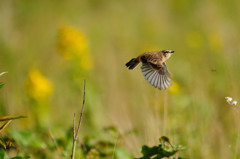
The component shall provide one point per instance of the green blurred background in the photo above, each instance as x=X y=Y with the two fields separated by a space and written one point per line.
x=49 y=47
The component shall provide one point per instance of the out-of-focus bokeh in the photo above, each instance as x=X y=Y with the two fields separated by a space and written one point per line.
x=48 y=48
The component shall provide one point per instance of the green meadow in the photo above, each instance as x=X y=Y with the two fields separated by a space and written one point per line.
x=48 y=48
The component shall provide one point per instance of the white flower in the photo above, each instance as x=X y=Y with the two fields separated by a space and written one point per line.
x=234 y=103
x=228 y=99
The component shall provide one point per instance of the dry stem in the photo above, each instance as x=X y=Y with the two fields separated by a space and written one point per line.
x=75 y=134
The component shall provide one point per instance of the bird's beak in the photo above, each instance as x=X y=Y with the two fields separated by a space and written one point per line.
x=172 y=51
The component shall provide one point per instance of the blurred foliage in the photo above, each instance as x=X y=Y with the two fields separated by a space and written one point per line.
x=164 y=149
x=2 y=84
x=102 y=145
x=49 y=47
x=8 y=120
x=3 y=155
x=7 y=143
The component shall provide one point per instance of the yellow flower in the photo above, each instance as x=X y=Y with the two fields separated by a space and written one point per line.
x=215 y=41
x=72 y=44
x=38 y=87
x=174 y=89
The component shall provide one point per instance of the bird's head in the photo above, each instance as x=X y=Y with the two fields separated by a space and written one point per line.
x=167 y=53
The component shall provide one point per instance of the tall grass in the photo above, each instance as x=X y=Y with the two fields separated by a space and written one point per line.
x=204 y=34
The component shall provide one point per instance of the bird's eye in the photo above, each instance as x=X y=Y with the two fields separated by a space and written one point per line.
x=165 y=51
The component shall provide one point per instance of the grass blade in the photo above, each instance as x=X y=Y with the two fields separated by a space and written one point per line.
x=6 y=118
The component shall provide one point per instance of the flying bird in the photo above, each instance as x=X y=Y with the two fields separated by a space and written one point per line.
x=154 y=67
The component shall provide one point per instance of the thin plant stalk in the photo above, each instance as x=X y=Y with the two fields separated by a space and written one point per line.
x=75 y=133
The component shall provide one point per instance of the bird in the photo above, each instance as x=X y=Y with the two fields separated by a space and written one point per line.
x=154 y=67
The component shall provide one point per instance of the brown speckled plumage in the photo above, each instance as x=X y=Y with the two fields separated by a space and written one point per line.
x=153 y=67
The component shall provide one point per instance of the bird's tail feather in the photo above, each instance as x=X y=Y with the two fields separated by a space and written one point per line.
x=132 y=63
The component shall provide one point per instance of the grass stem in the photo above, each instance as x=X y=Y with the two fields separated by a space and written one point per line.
x=75 y=134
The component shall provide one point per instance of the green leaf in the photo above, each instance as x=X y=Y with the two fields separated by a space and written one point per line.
x=1 y=85
x=149 y=151
x=28 y=138
x=3 y=154
x=165 y=153
x=164 y=149
x=157 y=151
x=24 y=138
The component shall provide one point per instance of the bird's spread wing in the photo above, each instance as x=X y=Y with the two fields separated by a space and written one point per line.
x=165 y=69
x=156 y=75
